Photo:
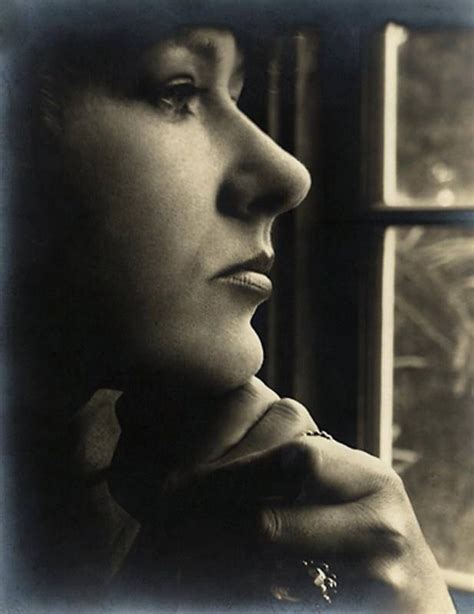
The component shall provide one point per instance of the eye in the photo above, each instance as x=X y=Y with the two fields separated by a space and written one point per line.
x=176 y=96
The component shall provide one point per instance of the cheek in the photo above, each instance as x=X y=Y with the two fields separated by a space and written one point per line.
x=149 y=197
x=155 y=238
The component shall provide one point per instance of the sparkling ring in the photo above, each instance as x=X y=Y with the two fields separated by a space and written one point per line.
x=301 y=591
x=322 y=579
x=318 y=433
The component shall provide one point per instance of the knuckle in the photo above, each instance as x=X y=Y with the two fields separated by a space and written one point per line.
x=314 y=460
x=393 y=480
x=392 y=575
x=294 y=408
x=309 y=455
x=388 y=527
x=395 y=488
x=268 y=526
x=387 y=479
x=389 y=530
x=294 y=412
x=298 y=447
x=390 y=539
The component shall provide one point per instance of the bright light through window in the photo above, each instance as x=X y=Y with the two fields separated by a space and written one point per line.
x=428 y=119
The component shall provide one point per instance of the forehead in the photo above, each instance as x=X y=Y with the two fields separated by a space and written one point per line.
x=211 y=47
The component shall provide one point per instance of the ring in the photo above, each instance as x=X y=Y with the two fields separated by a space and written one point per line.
x=320 y=578
x=319 y=433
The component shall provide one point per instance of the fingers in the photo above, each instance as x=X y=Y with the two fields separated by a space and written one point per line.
x=255 y=421
x=321 y=470
x=254 y=498
x=254 y=466
x=274 y=473
x=284 y=420
x=351 y=529
x=351 y=506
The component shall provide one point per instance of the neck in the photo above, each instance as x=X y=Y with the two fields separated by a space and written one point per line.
x=177 y=424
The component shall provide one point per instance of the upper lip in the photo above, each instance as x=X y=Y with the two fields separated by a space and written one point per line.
x=261 y=263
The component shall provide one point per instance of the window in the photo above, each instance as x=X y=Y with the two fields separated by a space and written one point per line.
x=426 y=387
x=433 y=386
x=374 y=308
x=428 y=118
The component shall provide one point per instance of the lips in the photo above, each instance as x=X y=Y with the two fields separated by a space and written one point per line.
x=250 y=275
x=250 y=280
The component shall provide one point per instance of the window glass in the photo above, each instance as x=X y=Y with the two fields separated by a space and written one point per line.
x=433 y=385
x=428 y=118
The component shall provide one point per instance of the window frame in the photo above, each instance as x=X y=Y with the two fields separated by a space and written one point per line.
x=341 y=316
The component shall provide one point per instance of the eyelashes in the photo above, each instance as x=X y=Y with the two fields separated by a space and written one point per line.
x=177 y=98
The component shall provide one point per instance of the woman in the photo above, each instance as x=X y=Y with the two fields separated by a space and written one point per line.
x=182 y=478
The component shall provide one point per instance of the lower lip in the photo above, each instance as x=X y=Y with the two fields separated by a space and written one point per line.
x=251 y=281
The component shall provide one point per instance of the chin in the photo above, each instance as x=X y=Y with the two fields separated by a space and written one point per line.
x=229 y=363
x=208 y=363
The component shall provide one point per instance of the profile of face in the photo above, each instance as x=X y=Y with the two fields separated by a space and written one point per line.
x=181 y=190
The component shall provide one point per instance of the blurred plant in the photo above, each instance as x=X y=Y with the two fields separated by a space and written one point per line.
x=435 y=274
x=434 y=385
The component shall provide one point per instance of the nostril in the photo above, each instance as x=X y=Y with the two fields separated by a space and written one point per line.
x=266 y=203
x=237 y=201
x=272 y=204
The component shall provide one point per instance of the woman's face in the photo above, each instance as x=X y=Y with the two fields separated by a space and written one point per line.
x=181 y=190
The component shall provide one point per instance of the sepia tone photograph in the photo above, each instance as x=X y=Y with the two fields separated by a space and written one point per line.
x=236 y=306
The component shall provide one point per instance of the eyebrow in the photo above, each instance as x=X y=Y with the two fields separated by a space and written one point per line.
x=209 y=50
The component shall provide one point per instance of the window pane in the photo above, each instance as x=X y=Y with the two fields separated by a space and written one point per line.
x=428 y=118
x=433 y=394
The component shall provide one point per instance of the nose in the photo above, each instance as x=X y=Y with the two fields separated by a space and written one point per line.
x=263 y=179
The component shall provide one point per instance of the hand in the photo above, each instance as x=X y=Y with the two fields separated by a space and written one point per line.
x=310 y=497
